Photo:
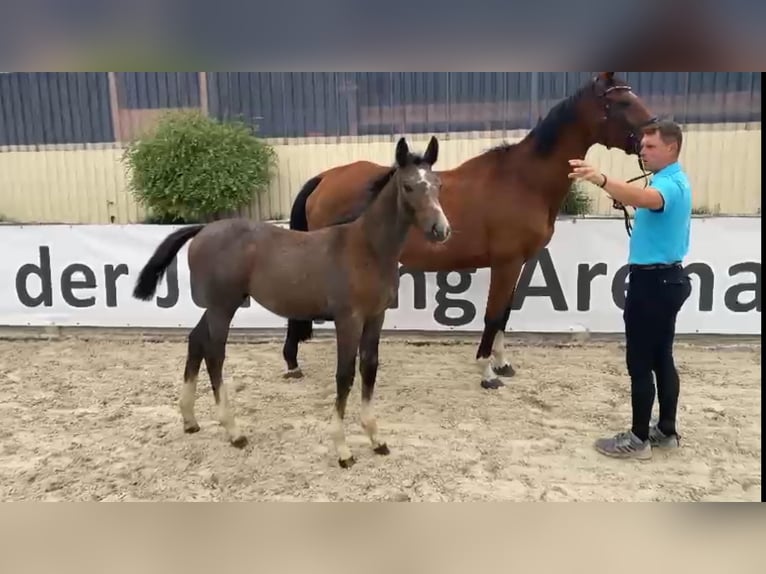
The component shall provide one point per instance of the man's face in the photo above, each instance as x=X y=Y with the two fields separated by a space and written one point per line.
x=655 y=153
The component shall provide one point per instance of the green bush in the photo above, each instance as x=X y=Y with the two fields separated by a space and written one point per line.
x=577 y=201
x=194 y=168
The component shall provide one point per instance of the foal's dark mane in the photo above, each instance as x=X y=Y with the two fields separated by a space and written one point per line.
x=375 y=187
x=548 y=129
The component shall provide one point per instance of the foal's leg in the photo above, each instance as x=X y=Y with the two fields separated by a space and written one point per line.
x=347 y=332
x=198 y=340
x=368 y=369
x=502 y=284
x=218 y=321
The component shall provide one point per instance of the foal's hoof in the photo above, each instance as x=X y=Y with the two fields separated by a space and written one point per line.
x=293 y=374
x=492 y=384
x=240 y=441
x=504 y=371
x=191 y=428
x=348 y=463
x=381 y=449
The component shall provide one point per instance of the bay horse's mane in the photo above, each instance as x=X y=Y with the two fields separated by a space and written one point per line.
x=375 y=187
x=548 y=129
x=545 y=136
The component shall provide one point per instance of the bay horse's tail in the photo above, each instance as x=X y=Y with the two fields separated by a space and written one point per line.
x=299 y=331
x=298 y=219
x=163 y=256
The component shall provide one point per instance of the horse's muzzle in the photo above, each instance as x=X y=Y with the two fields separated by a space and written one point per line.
x=440 y=232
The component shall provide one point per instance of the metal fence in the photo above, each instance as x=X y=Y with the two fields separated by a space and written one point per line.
x=84 y=108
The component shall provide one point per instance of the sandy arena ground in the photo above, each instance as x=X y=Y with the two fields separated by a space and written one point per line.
x=97 y=419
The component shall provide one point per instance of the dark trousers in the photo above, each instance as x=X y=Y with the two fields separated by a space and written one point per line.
x=653 y=300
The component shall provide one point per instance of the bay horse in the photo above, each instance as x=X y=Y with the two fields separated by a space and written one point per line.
x=502 y=204
x=351 y=270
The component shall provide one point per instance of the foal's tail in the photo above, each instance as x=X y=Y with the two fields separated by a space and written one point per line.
x=298 y=219
x=163 y=256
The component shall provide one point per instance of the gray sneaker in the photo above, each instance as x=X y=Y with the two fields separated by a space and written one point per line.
x=658 y=439
x=624 y=445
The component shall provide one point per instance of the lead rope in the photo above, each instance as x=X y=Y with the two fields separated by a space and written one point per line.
x=617 y=205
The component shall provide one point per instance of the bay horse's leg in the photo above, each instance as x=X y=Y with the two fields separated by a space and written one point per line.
x=501 y=365
x=297 y=332
x=218 y=322
x=368 y=370
x=347 y=332
x=502 y=284
x=198 y=339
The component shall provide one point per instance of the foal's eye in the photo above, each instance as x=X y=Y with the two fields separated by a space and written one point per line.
x=407 y=187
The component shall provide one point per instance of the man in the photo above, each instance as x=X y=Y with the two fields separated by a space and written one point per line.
x=657 y=287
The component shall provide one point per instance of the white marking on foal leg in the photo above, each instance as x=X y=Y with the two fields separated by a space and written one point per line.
x=186 y=404
x=226 y=417
x=370 y=426
x=339 y=437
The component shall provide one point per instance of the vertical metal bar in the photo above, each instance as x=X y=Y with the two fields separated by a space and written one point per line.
x=203 y=100
x=114 y=106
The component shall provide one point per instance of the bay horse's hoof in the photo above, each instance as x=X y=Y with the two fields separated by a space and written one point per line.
x=240 y=441
x=492 y=384
x=191 y=428
x=293 y=374
x=381 y=449
x=504 y=371
x=348 y=463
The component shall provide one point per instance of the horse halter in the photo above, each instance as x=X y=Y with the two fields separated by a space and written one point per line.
x=633 y=138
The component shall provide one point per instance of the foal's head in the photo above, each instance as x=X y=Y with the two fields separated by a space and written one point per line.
x=615 y=115
x=418 y=189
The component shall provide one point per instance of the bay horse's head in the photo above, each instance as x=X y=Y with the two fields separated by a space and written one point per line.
x=418 y=189
x=616 y=114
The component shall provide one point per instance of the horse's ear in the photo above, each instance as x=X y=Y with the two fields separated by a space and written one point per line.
x=432 y=151
x=402 y=152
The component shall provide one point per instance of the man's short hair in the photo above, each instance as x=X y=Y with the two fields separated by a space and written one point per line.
x=669 y=132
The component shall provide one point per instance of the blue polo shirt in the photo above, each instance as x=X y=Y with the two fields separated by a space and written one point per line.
x=662 y=236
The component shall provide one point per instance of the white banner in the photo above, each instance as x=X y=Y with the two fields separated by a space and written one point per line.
x=84 y=275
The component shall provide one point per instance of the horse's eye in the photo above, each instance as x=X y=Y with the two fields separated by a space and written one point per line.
x=407 y=187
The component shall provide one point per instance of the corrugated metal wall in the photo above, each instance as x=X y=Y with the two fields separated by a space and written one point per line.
x=287 y=105
x=66 y=108
x=60 y=133
x=54 y=108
